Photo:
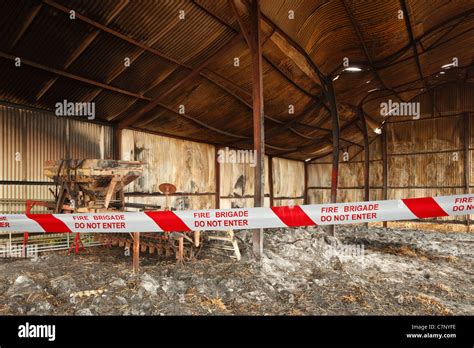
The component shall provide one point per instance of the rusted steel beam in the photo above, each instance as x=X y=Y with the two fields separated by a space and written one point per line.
x=358 y=32
x=192 y=75
x=321 y=141
x=258 y=124
x=145 y=48
x=73 y=76
x=363 y=128
x=296 y=46
x=331 y=96
x=350 y=160
x=384 y=168
x=151 y=50
x=467 y=161
x=26 y=24
x=243 y=30
x=392 y=59
x=297 y=86
x=83 y=46
x=218 y=178
x=217 y=130
x=406 y=17
x=270 y=180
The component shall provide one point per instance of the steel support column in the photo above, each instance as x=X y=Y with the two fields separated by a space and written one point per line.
x=218 y=178
x=331 y=96
x=383 y=138
x=467 y=161
x=258 y=127
x=363 y=128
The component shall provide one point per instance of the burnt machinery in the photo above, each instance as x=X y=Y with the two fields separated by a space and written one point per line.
x=97 y=185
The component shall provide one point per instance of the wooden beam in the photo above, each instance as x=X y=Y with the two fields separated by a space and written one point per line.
x=467 y=161
x=384 y=168
x=258 y=127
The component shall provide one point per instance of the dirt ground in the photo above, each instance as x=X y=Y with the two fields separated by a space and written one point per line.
x=304 y=272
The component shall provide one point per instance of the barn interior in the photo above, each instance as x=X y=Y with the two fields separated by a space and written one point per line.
x=199 y=104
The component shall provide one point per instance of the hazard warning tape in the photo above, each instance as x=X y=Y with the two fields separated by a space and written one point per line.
x=242 y=218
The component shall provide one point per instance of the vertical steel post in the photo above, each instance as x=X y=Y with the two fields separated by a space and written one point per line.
x=384 y=168
x=218 y=178
x=258 y=126
x=335 y=141
x=363 y=124
x=467 y=161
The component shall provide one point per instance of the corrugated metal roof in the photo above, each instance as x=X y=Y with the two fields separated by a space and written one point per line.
x=43 y=33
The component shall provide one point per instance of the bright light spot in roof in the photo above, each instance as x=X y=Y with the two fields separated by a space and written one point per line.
x=372 y=90
x=378 y=131
x=368 y=81
x=442 y=72
x=447 y=66
x=335 y=77
x=352 y=69
x=307 y=160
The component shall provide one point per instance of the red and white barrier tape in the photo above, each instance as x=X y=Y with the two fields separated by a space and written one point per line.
x=242 y=218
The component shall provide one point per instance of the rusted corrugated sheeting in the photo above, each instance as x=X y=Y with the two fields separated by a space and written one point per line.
x=13 y=197
x=237 y=179
x=425 y=135
x=11 y=126
x=187 y=165
x=319 y=175
x=29 y=138
x=89 y=140
x=425 y=158
x=288 y=178
x=317 y=196
x=46 y=140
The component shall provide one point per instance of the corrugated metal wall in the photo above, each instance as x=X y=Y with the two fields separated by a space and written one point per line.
x=191 y=167
x=425 y=156
x=288 y=182
x=30 y=137
x=187 y=165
